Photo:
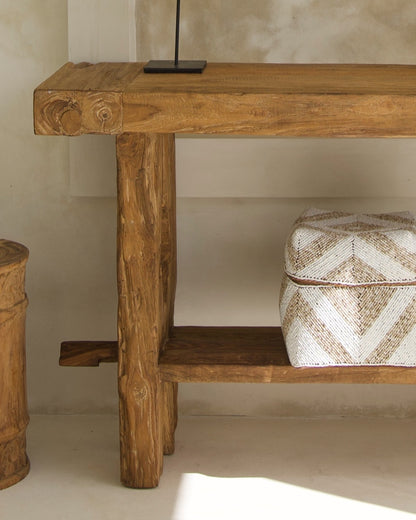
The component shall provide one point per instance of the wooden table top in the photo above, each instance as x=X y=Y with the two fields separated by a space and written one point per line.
x=246 y=99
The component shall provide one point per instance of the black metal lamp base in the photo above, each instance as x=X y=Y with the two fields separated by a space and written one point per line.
x=169 y=67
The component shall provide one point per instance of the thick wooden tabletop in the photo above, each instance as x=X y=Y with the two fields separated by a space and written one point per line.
x=243 y=99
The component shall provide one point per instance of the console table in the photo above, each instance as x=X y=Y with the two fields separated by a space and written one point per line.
x=145 y=111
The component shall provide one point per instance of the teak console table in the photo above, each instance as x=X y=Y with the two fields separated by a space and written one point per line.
x=145 y=112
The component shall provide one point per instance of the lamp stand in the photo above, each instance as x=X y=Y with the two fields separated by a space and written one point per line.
x=175 y=66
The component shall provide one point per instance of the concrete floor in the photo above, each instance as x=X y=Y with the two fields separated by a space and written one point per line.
x=223 y=468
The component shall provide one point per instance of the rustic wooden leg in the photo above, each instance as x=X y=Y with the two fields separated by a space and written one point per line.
x=141 y=319
x=170 y=416
x=170 y=390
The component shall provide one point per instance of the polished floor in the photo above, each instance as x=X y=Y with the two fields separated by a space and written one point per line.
x=223 y=468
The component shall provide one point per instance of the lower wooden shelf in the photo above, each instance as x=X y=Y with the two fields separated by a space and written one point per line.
x=88 y=353
x=233 y=355
x=256 y=355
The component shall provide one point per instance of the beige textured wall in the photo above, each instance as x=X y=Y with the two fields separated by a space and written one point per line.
x=281 y=30
x=70 y=287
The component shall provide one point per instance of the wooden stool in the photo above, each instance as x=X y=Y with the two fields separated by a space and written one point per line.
x=14 y=463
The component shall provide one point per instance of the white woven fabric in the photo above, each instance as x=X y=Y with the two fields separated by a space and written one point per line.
x=348 y=296
x=348 y=249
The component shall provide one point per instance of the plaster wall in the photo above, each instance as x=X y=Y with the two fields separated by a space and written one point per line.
x=66 y=273
x=357 y=31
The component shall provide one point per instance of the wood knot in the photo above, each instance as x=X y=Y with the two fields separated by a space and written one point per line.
x=104 y=112
x=63 y=115
x=76 y=113
x=71 y=120
x=139 y=392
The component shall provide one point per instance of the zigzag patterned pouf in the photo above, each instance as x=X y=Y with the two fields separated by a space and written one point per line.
x=348 y=295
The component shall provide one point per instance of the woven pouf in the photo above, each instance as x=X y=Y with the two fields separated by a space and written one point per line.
x=14 y=464
x=348 y=295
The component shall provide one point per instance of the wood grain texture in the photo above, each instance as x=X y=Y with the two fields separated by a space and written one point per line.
x=169 y=274
x=256 y=355
x=88 y=353
x=93 y=104
x=168 y=237
x=291 y=115
x=12 y=256
x=169 y=416
x=140 y=318
x=14 y=464
x=72 y=113
x=241 y=99
x=86 y=77
x=277 y=78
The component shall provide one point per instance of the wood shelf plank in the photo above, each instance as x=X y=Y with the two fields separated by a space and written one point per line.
x=309 y=100
x=256 y=355
x=88 y=353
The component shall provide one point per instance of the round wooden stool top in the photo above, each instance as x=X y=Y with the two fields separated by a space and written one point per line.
x=11 y=254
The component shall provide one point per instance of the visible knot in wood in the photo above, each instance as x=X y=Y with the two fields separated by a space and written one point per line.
x=64 y=116
x=139 y=392
x=71 y=120
x=76 y=113
x=104 y=113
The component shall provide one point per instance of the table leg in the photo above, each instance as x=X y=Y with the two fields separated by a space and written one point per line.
x=142 y=315
x=170 y=390
x=170 y=416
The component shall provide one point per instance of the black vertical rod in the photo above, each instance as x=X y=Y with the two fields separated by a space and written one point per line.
x=178 y=14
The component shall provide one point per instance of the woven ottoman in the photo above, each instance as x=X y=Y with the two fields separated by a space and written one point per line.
x=348 y=295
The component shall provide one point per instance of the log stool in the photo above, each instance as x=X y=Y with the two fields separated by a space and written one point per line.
x=14 y=463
